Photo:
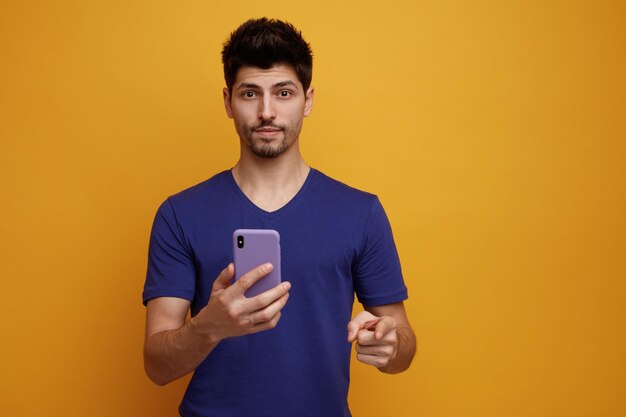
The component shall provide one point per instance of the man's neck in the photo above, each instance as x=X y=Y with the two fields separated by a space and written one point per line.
x=270 y=183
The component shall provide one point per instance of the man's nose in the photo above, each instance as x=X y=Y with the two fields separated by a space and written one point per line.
x=267 y=110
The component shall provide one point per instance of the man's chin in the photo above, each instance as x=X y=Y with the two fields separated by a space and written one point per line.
x=268 y=153
x=268 y=150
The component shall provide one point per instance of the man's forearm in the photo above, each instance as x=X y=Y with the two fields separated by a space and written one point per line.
x=407 y=346
x=171 y=354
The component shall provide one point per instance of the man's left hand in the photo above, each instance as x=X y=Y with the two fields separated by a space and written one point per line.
x=376 y=339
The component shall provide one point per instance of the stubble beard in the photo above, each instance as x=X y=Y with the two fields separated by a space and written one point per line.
x=264 y=148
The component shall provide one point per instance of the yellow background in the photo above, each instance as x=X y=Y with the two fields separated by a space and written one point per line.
x=493 y=131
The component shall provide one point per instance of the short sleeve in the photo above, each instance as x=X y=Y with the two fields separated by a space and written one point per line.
x=171 y=271
x=377 y=273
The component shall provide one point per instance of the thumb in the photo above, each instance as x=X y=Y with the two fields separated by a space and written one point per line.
x=225 y=277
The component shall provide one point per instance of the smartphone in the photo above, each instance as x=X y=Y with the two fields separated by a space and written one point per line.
x=254 y=247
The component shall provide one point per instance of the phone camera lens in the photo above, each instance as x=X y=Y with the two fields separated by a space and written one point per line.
x=240 y=242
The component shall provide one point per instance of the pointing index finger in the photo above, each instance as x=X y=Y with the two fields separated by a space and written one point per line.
x=359 y=322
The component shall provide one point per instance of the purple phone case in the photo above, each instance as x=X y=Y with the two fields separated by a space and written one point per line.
x=260 y=246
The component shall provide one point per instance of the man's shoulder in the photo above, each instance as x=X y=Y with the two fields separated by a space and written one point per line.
x=335 y=189
x=202 y=190
x=197 y=199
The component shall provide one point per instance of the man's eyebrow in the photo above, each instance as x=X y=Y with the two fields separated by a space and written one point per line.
x=285 y=84
x=277 y=85
x=247 y=85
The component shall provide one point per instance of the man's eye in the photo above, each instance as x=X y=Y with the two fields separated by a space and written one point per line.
x=248 y=94
x=284 y=93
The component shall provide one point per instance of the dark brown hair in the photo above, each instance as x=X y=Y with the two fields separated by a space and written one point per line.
x=264 y=43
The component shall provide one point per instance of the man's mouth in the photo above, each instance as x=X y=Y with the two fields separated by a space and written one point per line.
x=268 y=129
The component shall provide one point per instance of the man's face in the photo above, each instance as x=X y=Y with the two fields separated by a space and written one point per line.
x=268 y=106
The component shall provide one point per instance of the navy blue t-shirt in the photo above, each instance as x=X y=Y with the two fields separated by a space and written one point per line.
x=335 y=242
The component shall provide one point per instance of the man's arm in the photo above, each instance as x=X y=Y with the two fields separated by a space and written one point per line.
x=175 y=346
x=384 y=337
x=171 y=349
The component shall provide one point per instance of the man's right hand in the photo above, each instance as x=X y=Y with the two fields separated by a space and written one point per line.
x=175 y=347
x=230 y=313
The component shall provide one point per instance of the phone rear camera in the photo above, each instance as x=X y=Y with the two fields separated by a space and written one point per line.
x=240 y=242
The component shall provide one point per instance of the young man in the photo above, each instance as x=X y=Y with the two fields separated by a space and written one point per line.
x=284 y=352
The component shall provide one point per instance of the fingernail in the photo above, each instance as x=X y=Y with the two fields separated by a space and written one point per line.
x=268 y=267
x=287 y=286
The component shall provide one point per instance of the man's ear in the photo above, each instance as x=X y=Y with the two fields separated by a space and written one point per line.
x=227 y=106
x=308 y=101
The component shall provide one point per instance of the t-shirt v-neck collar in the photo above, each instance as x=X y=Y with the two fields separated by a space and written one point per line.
x=270 y=214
